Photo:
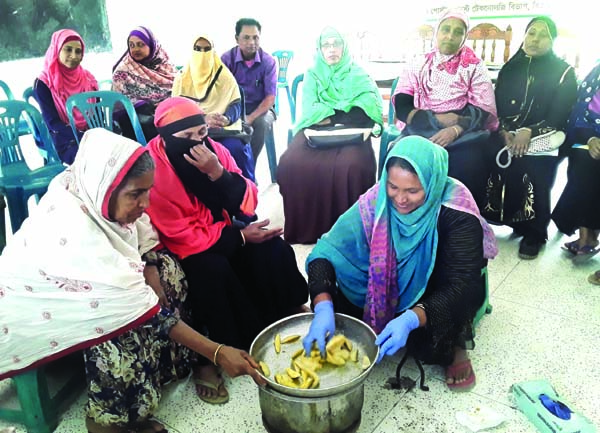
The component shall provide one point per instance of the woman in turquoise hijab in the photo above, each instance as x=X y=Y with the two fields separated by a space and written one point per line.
x=319 y=184
x=407 y=258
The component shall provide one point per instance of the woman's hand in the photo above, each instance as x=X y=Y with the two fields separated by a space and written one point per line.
x=213 y=120
x=446 y=136
x=520 y=143
x=322 y=325
x=594 y=145
x=152 y=278
x=326 y=121
x=237 y=362
x=205 y=161
x=394 y=335
x=447 y=119
x=257 y=232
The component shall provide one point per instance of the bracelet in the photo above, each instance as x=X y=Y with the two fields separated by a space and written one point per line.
x=243 y=238
x=456 y=131
x=219 y=347
x=421 y=306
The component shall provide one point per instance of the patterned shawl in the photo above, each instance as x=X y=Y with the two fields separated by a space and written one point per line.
x=447 y=82
x=337 y=87
x=389 y=257
x=70 y=277
x=62 y=81
x=149 y=80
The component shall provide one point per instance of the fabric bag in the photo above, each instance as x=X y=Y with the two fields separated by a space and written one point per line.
x=541 y=144
x=335 y=136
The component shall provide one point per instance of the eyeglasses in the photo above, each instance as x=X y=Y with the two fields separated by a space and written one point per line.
x=202 y=49
x=336 y=44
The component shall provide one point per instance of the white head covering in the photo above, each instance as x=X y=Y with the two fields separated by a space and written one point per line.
x=70 y=277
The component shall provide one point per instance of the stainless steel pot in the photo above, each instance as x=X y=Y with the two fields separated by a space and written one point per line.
x=336 y=405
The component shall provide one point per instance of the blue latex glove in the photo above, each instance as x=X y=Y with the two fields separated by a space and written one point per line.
x=322 y=323
x=394 y=335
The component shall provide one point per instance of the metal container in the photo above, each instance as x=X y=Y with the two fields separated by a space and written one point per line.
x=336 y=405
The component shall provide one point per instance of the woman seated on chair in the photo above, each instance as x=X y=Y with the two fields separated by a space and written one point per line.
x=239 y=280
x=579 y=204
x=318 y=184
x=145 y=75
x=62 y=77
x=407 y=259
x=206 y=80
x=85 y=272
x=448 y=97
x=535 y=92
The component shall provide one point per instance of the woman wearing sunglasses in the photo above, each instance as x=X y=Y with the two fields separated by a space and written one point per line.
x=206 y=80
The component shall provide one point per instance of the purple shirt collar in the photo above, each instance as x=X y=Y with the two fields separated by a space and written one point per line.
x=240 y=58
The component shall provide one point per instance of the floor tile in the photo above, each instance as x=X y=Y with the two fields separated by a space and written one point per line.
x=435 y=412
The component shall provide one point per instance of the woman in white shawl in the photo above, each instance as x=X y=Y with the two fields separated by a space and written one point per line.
x=85 y=271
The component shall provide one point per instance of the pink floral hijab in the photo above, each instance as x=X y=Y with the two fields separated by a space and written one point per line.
x=62 y=81
x=447 y=82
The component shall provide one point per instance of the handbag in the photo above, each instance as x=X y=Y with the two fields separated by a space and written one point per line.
x=541 y=144
x=245 y=134
x=335 y=136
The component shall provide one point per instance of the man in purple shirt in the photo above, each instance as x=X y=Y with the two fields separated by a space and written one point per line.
x=255 y=71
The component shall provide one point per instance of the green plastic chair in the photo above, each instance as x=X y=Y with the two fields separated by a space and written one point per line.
x=17 y=181
x=486 y=308
x=390 y=132
x=39 y=410
x=98 y=110
x=293 y=102
x=283 y=60
x=8 y=94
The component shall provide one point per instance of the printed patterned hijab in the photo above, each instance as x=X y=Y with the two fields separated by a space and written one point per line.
x=62 y=81
x=71 y=278
x=148 y=80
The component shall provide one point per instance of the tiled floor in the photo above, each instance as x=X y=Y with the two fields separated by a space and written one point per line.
x=545 y=324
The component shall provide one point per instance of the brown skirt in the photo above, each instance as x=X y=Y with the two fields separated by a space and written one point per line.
x=319 y=185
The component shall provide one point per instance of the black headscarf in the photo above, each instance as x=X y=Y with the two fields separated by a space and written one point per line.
x=193 y=179
x=525 y=86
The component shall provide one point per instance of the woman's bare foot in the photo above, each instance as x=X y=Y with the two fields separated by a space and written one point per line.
x=209 y=384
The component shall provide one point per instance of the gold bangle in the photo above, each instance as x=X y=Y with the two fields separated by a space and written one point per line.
x=243 y=238
x=219 y=347
x=456 y=131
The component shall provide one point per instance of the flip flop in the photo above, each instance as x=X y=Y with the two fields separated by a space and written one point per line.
x=586 y=252
x=595 y=278
x=454 y=369
x=571 y=247
x=217 y=399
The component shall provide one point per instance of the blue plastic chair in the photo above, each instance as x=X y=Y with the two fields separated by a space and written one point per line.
x=17 y=181
x=390 y=132
x=283 y=60
x=98 y=110
x=293 y=103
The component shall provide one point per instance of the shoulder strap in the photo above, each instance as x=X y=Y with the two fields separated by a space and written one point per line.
x=210 y=86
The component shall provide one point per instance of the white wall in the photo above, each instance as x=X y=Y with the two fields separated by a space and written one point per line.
x=382 y=25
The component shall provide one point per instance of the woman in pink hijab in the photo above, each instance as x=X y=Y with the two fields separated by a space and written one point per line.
x=62 y=77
